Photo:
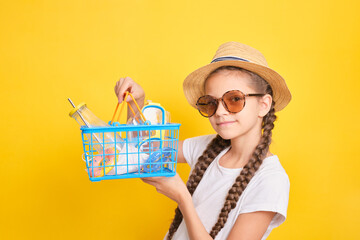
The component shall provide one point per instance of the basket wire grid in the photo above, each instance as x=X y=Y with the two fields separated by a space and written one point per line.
x=164 y=149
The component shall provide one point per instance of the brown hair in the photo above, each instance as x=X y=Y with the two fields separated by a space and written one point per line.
x=217 y=145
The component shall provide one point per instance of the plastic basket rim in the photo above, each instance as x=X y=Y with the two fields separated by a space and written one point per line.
x=125 y=127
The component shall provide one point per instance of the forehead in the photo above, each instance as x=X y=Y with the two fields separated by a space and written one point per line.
x=226 y=80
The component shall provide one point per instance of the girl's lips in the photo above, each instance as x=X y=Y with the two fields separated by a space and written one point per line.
x=225 y=123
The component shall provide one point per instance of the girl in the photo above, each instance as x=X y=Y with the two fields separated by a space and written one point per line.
x=237 y=188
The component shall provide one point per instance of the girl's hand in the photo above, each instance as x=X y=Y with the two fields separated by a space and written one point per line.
x=127 y=84
x=172 y=187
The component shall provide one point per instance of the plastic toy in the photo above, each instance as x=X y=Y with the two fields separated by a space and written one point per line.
x=157 y=159
x=97 y=164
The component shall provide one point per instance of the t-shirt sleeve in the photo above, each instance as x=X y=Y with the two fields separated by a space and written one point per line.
x=270 y=193
x=194 y=147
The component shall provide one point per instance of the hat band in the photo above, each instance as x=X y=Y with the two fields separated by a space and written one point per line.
x=228 y=58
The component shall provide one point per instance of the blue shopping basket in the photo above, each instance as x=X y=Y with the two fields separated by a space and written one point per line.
x=131 y=151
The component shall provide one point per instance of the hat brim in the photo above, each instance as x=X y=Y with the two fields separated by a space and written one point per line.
x=194 y=83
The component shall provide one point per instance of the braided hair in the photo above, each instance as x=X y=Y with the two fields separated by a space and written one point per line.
x=216 y=146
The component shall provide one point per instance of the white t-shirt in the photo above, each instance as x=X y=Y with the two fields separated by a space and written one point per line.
x=268 y=190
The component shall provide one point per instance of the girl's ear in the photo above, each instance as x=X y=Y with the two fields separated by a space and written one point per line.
x=264 y=105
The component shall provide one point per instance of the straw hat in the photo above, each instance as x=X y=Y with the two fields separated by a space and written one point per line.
x=243 y=56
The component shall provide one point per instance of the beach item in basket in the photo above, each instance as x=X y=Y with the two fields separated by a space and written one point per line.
x=96 y=165
x=136 y=137
x=155 y=114
x=157 y=160
x=101 y=141
x=128 y=161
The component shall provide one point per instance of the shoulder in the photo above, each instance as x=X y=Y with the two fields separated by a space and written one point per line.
x=271 y=168
x=271 y=176
x=195 y=146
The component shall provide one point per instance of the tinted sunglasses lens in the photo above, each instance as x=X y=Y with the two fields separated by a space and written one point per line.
x=206 y=105
x=234 y=100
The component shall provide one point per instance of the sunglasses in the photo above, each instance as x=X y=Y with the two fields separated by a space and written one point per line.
x=233 y=101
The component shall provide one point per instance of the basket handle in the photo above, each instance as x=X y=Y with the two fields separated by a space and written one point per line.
x=127 y=93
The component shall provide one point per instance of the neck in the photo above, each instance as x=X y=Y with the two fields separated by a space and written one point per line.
x=242 y=149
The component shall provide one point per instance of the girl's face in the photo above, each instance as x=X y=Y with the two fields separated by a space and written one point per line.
x=248 y=121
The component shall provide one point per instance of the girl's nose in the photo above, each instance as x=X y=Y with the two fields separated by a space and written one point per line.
x=221 y=110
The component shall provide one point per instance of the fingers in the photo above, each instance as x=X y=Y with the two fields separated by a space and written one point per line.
x=127 y=84
x=154 y=181
x=151 y=180
x=123 y=85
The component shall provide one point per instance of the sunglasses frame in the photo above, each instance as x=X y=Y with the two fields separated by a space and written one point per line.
x=224 y=104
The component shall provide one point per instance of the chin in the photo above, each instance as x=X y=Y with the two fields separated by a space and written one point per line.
x=227 y=135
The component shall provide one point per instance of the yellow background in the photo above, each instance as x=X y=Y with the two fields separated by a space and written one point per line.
x=52 y=50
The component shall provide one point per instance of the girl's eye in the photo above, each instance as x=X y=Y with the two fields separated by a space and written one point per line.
x=235 y=99
x=207 y=103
